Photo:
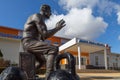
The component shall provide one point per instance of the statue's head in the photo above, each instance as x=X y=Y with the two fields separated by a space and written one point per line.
x=45 y=10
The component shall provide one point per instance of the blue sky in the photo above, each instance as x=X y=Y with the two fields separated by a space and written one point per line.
x=97 y=20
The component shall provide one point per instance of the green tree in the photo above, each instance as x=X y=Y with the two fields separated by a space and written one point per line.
x=1 y=55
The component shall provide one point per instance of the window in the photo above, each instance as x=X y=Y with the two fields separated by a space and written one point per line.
x=116 y=64
x=20 y=33
x=116 y=59
x=63 y=41
x=56 y=43
x=96 y=60
x=48 y=41
x=83 y=61
x=108 y=61
x=76 y=59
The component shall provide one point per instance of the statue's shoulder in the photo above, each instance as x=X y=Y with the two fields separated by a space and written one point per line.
x=37 y=15
x=34 y=17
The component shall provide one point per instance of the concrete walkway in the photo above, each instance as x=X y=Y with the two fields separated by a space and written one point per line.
x=99 y=76
x=96 y=76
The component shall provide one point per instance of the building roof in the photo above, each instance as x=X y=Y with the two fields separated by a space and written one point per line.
x=10 y=33
x=10 y=28
x=86 y=46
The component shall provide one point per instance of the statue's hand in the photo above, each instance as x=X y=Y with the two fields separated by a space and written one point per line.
x=60 y=24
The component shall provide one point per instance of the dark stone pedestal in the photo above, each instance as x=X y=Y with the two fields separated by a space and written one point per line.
x=27 y=63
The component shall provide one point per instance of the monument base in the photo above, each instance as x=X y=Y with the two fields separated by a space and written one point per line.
x=27 y=64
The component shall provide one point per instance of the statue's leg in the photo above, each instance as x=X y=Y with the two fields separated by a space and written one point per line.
x=41 y=48
x=49 y=65
x=50 y=61
x=40 y=61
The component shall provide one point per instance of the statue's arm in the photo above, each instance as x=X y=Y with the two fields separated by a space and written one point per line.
x=37 y=21
x=58 y=27
x=51 y=32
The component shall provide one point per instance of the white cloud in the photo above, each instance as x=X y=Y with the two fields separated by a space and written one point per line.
x=118 y=19
x=105 y=7
x=119 y=37
x=68 y=4
x=108 y=7
x=79 y=23
x=79 y=20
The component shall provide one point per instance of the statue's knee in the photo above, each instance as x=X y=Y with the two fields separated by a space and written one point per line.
x=53 y=52
x=55 y=49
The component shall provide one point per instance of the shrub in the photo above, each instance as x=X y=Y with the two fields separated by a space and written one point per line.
x=1 y=55
x=1 y=69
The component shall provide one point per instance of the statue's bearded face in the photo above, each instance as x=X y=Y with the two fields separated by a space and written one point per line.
x=47 y=13
x=46 y=10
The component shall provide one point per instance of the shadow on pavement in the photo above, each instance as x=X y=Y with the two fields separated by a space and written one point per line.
x=86 y=78
x=92 y=78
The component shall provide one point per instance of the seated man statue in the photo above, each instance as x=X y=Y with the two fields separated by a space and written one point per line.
x=34 y=36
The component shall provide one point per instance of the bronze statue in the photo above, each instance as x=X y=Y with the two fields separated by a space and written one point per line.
x=64 y=74
x=34 y=36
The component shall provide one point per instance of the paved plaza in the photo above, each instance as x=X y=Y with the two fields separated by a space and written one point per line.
x=99 y=76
